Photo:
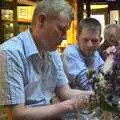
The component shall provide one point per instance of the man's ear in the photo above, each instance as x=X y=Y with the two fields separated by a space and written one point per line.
x=101 y=41
x=77 y=37
x=42 y=18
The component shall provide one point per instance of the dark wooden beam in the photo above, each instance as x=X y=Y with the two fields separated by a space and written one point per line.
x=80 y=9
x=88 y=9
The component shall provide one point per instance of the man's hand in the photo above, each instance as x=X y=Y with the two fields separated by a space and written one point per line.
x=76 y=98
x=109 y=51
x=84 y=98
x=73 y=104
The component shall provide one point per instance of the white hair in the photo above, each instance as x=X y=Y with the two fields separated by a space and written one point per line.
x=110 y=32
x=54 y=7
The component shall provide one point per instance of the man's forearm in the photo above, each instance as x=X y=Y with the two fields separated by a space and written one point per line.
x=81 y=97
x=79 y=94
x=20 y=112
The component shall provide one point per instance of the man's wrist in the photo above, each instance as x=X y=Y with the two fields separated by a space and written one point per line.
x=65 y=106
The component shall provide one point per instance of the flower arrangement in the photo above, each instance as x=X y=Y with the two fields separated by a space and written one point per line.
x=106 y=84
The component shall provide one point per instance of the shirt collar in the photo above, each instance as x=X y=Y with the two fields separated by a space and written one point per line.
x=31 y=48
x=29 y=44
x=47 y=55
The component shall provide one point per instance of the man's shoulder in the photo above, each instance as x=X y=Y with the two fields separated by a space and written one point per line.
x=71 y=50
x=97 y=54
x=98 y=59
x=13 y=46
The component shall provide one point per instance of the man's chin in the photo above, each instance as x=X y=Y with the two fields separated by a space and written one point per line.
x=90 y=54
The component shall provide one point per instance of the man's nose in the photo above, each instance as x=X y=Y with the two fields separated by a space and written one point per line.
x=90 y=44
x=64 y=35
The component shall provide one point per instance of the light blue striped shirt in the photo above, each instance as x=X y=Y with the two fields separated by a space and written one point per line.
x=76 y=66
x=25 y=76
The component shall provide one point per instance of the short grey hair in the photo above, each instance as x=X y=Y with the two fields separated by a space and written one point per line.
x=110 y=32
x=53 y=7
x=90 y=24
